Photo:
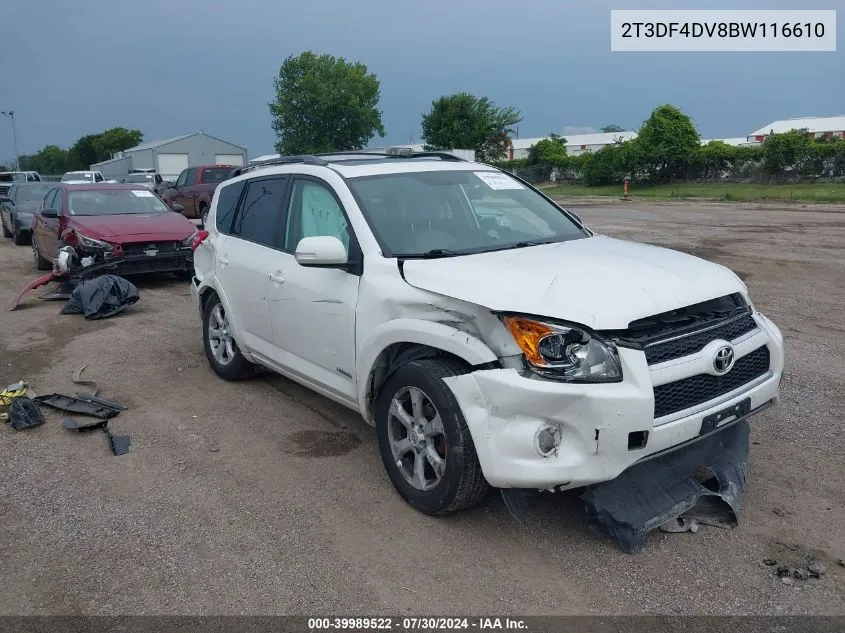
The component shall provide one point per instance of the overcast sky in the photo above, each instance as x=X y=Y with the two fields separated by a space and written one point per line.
x=169 y=67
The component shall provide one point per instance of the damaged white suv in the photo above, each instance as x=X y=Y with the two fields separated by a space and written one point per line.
x=490 y=338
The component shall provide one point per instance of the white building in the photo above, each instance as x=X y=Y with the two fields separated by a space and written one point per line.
x=831 y=127
x=576 y=144
x=737 y=141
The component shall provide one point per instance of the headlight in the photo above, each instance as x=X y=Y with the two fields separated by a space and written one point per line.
x=565 y=352
x=189 y=241
x=90 y=242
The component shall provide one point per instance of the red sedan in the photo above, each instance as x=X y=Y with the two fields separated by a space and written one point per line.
x=113 y=228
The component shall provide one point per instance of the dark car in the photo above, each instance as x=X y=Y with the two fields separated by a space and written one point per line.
x=194 y=189
x=119 y=228
x=17 y=207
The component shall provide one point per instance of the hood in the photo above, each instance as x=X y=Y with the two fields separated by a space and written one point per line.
x=30 y=206
x=135 y=227
x=600 y=282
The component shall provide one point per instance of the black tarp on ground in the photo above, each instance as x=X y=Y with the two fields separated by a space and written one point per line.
x=101 y=297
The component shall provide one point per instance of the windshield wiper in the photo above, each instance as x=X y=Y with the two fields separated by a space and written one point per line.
x=432 y=254
x=534 y=243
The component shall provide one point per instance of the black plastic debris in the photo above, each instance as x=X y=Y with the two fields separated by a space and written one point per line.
x=24 y=414
x=119 y=444
x=703 y=482
x=81 y=403
x=101 y=297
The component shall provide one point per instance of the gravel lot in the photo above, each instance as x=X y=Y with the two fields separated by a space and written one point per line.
x=262 y=498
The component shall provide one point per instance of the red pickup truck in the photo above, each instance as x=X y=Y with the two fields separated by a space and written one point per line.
x=195 y=187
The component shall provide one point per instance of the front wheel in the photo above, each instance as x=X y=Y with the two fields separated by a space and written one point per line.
x=425 y=444
x=21 y=237
x=221 y=350
x=40 y=262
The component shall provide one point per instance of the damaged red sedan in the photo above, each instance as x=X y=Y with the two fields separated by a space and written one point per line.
x=120 y=229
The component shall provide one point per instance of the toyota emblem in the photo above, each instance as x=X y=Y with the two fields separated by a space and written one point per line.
x=723 y=360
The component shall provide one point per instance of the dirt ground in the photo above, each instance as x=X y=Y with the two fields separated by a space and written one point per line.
x=260 y=497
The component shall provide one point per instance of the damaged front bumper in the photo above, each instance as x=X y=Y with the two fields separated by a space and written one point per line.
x=603 y=429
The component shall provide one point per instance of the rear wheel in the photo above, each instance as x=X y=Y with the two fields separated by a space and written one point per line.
x=220 y=347
x=425 y=444
x=204 y=215
x=40 y=262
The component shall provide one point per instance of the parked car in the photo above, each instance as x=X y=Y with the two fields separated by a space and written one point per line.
x=8 y=178
x=124 y=224
x=80 y=177
x=150 y=180
x=195 y=187
x=526 y=354
x=17 y=207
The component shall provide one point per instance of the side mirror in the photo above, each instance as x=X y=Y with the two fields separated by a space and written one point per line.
x=178 y=208
x=49 y=213
x=322 y=250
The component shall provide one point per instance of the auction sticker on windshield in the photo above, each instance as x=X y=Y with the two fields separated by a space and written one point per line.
x=497 y=180
x=144 y=194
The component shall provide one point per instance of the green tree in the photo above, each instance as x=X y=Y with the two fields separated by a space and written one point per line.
x=114 y=140
x=551 y=151
x=51 y=159
x=714 y=158
x=324 y=104
x=783 y=152
x=463 y=121
x=82 y=153
x=610 y=164
x=667 y=144
x=612 y=128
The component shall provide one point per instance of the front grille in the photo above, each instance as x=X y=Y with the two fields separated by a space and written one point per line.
x=4 y=189
x=660 y=352
x=689 y=392
x=163 y=248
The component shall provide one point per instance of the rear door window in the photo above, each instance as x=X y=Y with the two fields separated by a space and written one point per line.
x=259 y=217
x=227 y=204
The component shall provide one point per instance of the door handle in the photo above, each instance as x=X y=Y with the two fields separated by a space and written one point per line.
x=277 y=278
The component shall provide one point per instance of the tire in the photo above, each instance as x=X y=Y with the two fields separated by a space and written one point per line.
x=21 y=237
x=184 y=275
x=203 y=215
x=40 y=262
x=229 y=366
x=461 y=483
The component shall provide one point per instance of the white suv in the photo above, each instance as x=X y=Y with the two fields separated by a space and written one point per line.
x=490 y=338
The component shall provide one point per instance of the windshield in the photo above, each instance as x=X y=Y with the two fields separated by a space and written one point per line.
x=139 y=178
x=114 y=202
x=12 y=177
x=78 y=175
x=458 y=212
x=31 y=193
x=216 y=174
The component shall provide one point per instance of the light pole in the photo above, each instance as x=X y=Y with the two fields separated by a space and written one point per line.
x=11 y=115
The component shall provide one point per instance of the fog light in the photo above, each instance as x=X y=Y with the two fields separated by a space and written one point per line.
x=547 y=440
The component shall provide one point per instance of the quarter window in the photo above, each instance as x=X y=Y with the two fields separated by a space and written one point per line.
x=314 y=211
x=259 y=215
x=227 y=204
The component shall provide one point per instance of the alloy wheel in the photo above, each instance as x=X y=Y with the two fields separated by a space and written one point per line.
x=417 y=438
x=219 y=336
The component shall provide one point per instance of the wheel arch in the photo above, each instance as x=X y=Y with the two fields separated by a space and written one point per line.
x=401 y=341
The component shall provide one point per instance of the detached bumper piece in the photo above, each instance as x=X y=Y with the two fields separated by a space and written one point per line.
x=119 y=444
x=703 y=481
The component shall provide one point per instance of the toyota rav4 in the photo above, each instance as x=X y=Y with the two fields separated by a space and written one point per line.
x=488 y=335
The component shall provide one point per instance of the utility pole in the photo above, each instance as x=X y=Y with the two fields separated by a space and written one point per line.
x=11 y=115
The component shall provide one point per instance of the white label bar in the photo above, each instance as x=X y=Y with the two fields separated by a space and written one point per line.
x=716 y=30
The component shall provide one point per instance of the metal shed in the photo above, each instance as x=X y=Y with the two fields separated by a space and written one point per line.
x=171 y=155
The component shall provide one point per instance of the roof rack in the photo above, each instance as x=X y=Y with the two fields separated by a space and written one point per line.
x=324 y=159
x=308 y=159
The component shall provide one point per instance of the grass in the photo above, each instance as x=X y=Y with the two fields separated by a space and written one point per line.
x=729 y=191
